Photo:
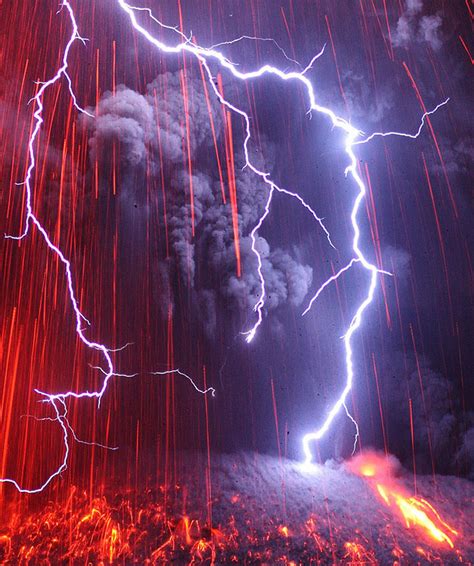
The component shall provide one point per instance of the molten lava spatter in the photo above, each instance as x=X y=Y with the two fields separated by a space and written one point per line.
x=415 y=511
x=327 y=516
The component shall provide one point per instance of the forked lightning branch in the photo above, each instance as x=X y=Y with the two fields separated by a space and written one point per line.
x=209 y=58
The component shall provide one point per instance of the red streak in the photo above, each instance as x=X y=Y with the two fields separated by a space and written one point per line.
x=440 y=236
x=464 y=44
x=184 y=88
x=374 y=365
x=376 y=240
x=213 y=130
x=336 y=63
x=229 y=150
x=430 y=126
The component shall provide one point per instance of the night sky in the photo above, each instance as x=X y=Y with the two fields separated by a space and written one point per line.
x=114 y=193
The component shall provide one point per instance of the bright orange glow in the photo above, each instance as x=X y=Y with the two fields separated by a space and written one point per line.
x=90 y=515
x=357 y=554
x=416 y=511
x=368 y=470
x=284 y=531
x=383 y=494
x=112 y=543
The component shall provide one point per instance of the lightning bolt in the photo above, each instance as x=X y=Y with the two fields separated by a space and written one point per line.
x=205 y=56
x=58 y=400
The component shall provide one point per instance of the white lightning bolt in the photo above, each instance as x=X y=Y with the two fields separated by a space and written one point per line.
x=58 y=400
x=204 y=55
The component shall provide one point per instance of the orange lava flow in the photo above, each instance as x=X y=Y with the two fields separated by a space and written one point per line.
x=416 y=511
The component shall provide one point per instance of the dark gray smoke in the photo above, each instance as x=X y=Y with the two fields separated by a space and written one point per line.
x=441 y=434
x=151 y=131
x=126 y=118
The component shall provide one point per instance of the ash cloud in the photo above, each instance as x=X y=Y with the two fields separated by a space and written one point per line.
x=412 y=27
x=429 y=31
x=180 y=217
x=441 y=433
x=150 y=129
x=151 y=126
x=125 y=117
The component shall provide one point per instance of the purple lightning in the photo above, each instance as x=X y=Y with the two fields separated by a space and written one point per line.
x=58 y=400
x=204 y=54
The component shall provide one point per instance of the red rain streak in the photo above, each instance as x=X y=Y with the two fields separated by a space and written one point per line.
x=153 y=421
x=430 y=126
x=463 y=43
x=229 y=152
x=187 y=118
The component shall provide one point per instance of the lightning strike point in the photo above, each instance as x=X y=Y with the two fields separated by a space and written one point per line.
x=205 y=56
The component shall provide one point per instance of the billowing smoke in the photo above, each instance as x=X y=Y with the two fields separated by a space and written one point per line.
x=126 y=118
x=439 y=429
x=151 y=131
x=412 y=27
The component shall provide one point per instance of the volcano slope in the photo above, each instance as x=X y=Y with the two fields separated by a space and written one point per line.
x=252 y=509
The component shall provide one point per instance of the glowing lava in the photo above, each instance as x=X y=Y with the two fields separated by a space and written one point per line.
x=415 y=511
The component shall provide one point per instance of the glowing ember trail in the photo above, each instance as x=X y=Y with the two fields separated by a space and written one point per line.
x=415 y=511
x=206 y=57
x=58 y=400
x=251 y=527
